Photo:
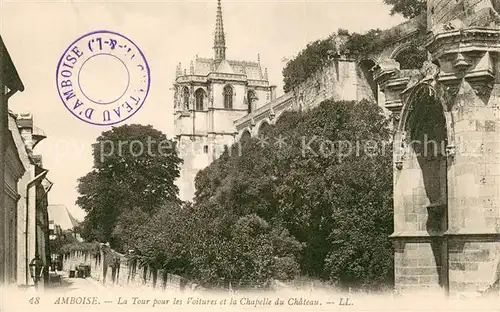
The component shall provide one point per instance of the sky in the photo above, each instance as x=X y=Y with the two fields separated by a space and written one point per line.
x=37 y=33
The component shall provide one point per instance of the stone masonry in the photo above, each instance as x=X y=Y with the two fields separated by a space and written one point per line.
x=447 y=152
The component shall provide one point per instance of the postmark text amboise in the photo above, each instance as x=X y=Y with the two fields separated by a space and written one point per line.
x=103 y=78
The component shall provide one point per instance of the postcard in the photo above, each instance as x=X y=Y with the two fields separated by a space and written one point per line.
x=249 y=155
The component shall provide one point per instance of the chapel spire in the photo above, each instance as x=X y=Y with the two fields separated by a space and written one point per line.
x=219 y=38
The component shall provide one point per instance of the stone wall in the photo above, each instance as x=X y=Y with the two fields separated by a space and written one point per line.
x=417 y=266
x=128 y=274
x=465 y=186
x=473 y=265
x=474 y=191
x=195 y=157
x=475 y=178
x=197 y=152
x=342 y=80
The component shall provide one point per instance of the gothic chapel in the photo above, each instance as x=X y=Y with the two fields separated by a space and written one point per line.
x=209 y=97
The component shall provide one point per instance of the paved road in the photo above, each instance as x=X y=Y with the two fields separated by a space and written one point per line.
x=75 y=284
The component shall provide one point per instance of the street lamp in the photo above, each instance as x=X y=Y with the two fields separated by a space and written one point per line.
x=36 y=268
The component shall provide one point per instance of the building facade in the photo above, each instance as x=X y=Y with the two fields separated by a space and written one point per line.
x=33 y=191
x=14 y=170
x=24 y=188
x=447 y=152
x=11 y=169
x=208 y=99
x=42 y=239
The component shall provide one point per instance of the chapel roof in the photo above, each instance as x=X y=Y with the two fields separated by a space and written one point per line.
x=204 y=66
x=225 y=68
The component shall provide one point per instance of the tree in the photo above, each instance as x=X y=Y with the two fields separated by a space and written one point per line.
x=241 y=241
x=407 y=8
x=134 y=167
x=247 y=252
x=161 y=239
x=333 y=206
x=311 y=59
x=65 y=238
x=323 y=182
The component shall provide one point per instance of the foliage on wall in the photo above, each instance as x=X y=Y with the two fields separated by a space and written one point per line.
x=321 y=53
x=85 y=247
x=110 y=257
x=315 y=56
x=66 y=238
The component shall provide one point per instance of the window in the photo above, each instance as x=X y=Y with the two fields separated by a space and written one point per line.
x=205 y=149
x=251 y=97
x=228 y=96
x=200 y=99
x=185 y=98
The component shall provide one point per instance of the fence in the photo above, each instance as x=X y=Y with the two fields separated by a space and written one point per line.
x=126 y=272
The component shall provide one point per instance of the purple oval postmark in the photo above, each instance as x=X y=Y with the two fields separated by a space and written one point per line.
x=103 y=78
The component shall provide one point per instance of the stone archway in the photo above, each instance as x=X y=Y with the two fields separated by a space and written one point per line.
x=421 y=188
x=366 y=67
x=426 y=141
x=264 y=128
x=245 y=136
x=410 y=55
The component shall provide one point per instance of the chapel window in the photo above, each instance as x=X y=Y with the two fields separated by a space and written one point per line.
x=228 y=96
x=185 y=98
x=200 y=99
x=251 y=97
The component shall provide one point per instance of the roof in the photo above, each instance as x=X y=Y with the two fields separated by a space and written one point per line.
x=225 y=68
x=11 y=77
x=62 y=217
x=15 y=151
x=18 y=140
x=253 y=71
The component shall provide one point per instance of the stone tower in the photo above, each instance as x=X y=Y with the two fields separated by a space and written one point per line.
x=208 y=98
x=447 y=154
